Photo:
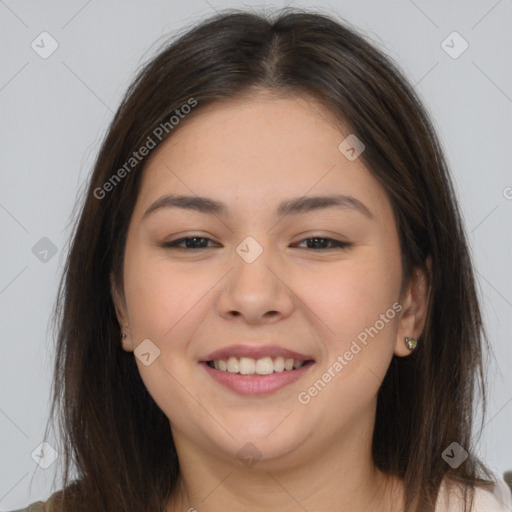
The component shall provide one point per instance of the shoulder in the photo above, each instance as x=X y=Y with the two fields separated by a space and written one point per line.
x=35 y=507
x=40 y=506
x=486 y=499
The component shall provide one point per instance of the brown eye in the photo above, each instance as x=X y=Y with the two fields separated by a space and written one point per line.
x=320 y=243
x=196 y=242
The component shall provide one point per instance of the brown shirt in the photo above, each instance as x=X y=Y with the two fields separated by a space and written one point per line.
x=39 y=506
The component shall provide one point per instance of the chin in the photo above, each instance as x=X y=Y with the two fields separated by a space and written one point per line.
x=265 y=442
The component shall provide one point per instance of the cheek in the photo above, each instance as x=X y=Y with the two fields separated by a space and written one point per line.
x=162 y=296
x=164 y=301
x=350 y=296
x=358 y=322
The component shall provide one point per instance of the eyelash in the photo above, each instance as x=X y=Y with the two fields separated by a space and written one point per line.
x=336 y=244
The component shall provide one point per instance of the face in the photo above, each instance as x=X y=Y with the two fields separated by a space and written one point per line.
x=268 y=275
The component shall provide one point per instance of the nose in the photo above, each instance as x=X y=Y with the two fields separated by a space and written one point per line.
x=256 y=292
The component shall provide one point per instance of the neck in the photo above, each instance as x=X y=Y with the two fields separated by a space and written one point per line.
x=340 y=477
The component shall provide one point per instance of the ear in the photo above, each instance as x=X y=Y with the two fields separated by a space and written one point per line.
x=414 y=307
x=121 y=313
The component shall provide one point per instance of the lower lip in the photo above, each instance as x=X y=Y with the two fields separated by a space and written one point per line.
x=257 y=384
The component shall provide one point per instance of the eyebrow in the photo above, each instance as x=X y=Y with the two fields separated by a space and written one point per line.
x=299 y=205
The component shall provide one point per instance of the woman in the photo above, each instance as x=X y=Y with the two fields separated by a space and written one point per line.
x=269 y=302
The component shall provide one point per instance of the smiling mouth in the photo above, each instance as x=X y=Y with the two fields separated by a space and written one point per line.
x=260 y=367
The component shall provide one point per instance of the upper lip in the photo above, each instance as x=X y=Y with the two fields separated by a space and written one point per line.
x=258 y=352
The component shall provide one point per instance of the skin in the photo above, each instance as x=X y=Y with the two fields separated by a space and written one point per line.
x=251 y=154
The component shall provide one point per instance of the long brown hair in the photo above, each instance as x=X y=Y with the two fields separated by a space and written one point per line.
x=113 y=434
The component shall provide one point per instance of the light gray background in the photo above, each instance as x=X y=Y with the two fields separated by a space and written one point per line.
x=55 y=111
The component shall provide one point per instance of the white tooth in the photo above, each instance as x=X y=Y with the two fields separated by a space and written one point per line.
x=216 y=364
x=279 y=364
x=288 y=364
x=232 y=365
x=247 y=366
x=298 y=364
x=264 y=366
x=222 y=365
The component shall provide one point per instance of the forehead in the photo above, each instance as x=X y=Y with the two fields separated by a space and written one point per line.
x=254 y=129
x=255 y=149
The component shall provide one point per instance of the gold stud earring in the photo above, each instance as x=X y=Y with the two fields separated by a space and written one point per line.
x=411 y=343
